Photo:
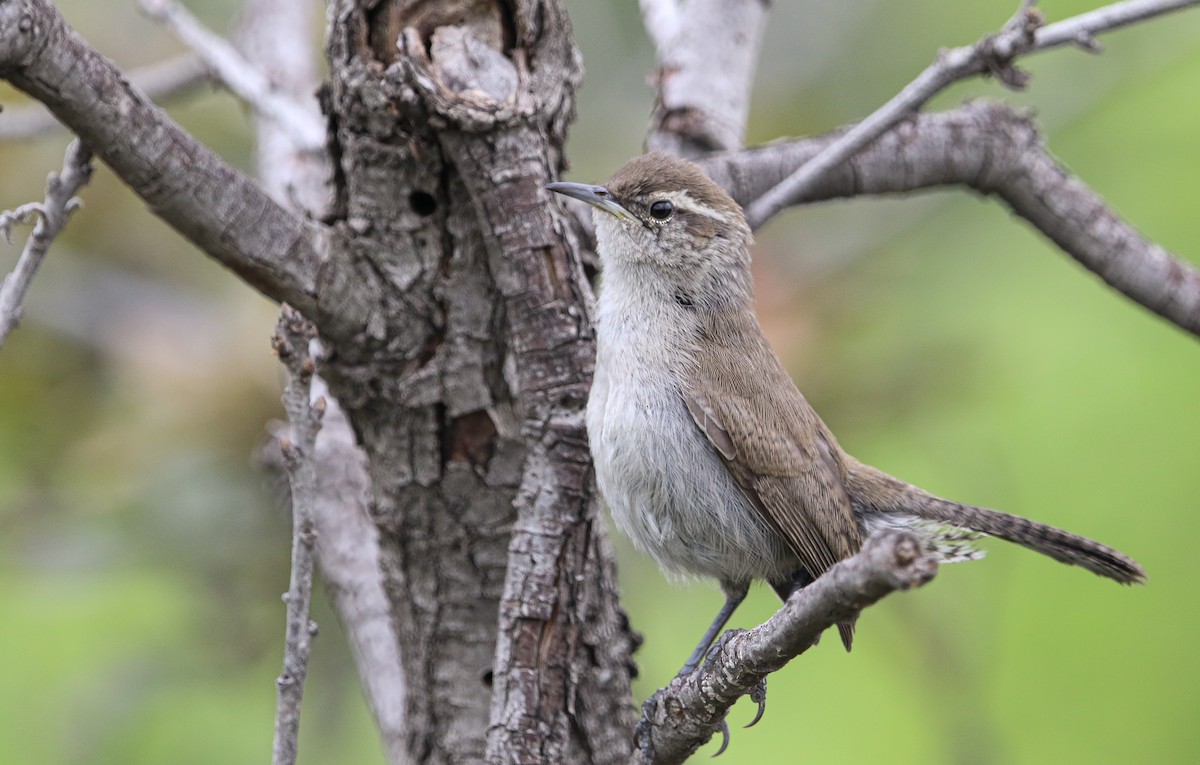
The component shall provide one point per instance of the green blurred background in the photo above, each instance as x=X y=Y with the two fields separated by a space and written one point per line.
x=141 y=557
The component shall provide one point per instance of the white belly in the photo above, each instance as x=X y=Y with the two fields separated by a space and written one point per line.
x=663 y=483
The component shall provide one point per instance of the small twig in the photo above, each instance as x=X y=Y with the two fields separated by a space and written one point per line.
x=291 y=341
x=238 y=74
x=52 y=215
x=679 y=718
x=995 y=54
x=161 y=81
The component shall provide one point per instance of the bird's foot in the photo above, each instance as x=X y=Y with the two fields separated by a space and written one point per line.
x=758 y=694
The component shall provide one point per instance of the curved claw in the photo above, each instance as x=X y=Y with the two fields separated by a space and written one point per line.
x=724 y=738
x=758 y=694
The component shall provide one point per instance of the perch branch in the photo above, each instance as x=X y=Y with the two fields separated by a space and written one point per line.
x=997 y=151
x=995 y=54
x=679 y=718
x=52 y=215
x=293 y=336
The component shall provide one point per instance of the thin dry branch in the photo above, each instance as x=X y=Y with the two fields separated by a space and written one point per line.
x=52 y=215
x=161 y=81
x=239 y=75
x=679 y=718
x=275 y=36
x=993 y=54
x=187 y=185
x=996 y=151
x=293 y=336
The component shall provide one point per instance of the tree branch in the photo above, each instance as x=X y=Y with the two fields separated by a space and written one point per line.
x=707 y=53
x=995 y=54
x=239 y=75
x=994 y=150
x=663 y=22
x=161 y=81
x=292 y=337
x=679 y=718
x=187 y=185
x=275 y=36
x=52 y=215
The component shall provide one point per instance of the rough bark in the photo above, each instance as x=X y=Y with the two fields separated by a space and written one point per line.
x=450 y=298
x=467 y=386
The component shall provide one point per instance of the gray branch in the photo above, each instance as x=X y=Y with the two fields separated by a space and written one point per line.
x=52 y=215
x=161 y=81
x=291 y=341
x=707 y=52
x=302 y=123
x=275 y=37
x=187 y=185
x=996 y=151
x=994 y=53
x=679 y=718
x=349 y=556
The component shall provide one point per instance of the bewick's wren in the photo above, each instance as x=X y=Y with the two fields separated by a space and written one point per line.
x=707 y=455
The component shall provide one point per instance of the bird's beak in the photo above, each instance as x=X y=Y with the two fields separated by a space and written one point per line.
x=596 y=196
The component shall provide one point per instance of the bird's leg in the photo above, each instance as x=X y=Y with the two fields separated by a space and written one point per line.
x=735 y=593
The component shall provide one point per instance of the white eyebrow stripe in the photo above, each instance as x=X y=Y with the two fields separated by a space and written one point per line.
x=684 y=201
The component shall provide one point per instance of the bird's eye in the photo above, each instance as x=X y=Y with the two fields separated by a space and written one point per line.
x=661 y=210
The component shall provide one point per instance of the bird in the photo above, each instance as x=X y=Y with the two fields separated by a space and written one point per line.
x=706 y=454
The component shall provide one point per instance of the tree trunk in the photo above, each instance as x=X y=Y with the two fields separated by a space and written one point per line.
x=467 y=384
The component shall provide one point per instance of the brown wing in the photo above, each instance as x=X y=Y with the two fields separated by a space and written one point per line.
x=772 y=442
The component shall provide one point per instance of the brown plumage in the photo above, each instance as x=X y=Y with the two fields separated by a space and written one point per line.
x=706 y=453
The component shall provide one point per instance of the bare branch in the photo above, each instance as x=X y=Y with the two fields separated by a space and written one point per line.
x=707 y=54
x=348 y=553
x=160 y=81
x=1079 y=30
x=275 y=35
x=52 y=215
x=292 y=337
x=238 y=74
x=679 y=718
x=994 y=54
x=347 y=550
x=993 y=150
x=187 y=185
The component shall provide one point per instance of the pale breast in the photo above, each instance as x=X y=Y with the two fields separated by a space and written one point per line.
x=660 y=478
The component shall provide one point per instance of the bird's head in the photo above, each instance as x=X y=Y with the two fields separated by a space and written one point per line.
x=664 y=213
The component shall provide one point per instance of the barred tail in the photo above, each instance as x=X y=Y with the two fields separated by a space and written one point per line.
x=874 y=491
